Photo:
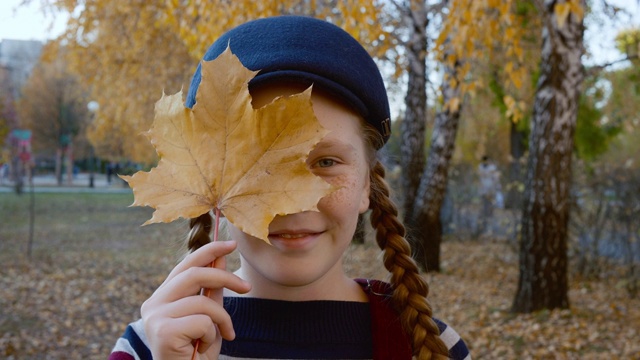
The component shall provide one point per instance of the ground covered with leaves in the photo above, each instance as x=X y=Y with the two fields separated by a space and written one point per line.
x=92 y=266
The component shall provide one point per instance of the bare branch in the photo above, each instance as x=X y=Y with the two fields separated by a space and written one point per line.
x=594 y=70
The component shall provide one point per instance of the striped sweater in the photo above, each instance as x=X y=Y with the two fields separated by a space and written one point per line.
x=274 y=329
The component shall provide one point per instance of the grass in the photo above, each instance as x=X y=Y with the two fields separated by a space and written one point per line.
x=93 y=265
x=72 y=222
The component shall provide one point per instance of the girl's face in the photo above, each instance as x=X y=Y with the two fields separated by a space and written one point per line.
x=304 y=260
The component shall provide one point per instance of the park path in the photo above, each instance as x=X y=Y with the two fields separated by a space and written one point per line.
x=80 y=184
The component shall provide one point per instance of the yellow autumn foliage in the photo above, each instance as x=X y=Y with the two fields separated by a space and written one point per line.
x=490 y=33
x=110 y=42
x=127 y=51
x=125 y=54
x=199 y=23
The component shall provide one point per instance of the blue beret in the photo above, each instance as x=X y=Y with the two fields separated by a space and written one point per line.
x=308 y=50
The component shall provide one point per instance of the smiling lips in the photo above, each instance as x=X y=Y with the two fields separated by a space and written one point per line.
x=294 y=239
x=292 y=236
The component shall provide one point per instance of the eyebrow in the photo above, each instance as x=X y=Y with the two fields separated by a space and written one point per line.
x=331 y=144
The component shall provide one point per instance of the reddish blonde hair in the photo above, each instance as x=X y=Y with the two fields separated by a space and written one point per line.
x=410 y=290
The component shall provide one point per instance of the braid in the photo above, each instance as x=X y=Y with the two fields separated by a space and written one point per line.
x=410 y=289
x=199 y=235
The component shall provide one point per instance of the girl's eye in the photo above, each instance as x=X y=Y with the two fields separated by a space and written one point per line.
x=326 y=162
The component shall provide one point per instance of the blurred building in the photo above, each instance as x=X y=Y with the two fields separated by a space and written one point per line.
x=18 y=58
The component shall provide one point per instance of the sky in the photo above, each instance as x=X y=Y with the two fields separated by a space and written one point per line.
x=29 y=23
x=600 y=37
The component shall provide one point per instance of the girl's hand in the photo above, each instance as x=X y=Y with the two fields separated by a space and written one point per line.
x=176 y=315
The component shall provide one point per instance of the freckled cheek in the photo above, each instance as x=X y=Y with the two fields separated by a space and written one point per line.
x=345 y=197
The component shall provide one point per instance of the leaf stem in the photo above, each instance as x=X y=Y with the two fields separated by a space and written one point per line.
x=204 y=291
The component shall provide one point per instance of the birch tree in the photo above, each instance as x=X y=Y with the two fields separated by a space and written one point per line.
x=543 y=280
x=469 y=31
x=425 y=216
x=413 y=125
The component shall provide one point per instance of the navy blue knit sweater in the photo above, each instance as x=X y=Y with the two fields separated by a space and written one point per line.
x=275 y=329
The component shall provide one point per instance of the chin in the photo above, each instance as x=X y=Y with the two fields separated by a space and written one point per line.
x=294 y=273
x=297 y=274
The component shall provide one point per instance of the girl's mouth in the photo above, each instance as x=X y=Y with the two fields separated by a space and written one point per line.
x=293 y=240
x=291 y=236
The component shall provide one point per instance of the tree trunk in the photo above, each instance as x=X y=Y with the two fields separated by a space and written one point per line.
x=412 y=128
x=543 y=281
x=425 y=223
x=513 y=199
x=59 y=160
x=70 y=164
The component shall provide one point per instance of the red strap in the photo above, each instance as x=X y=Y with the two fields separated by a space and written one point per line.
x=390 y=342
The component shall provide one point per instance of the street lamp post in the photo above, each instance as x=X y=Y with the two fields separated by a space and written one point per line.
x=92 y=106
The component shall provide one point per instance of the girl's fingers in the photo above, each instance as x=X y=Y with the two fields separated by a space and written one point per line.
x=211 y=337
x=202 y=257
x=178 y=334
x=221 y=264
x=197 y=305
x=175 y=315
x=190 y=281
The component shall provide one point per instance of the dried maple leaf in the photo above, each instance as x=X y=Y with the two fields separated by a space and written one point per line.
x=224 y=154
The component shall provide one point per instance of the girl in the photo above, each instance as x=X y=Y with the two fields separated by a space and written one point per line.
x=292 y=299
